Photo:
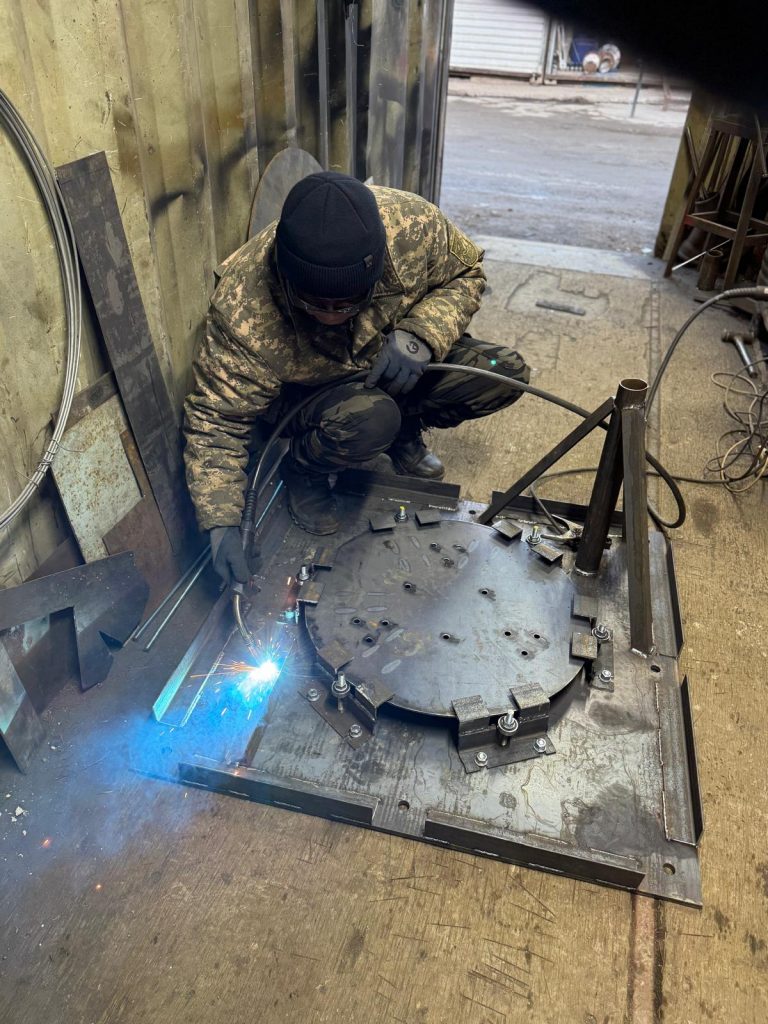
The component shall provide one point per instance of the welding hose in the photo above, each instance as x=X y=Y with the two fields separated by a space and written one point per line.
x=759 y=293
x=251 y=498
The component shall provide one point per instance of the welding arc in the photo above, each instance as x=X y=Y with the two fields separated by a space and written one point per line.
x=66 y=250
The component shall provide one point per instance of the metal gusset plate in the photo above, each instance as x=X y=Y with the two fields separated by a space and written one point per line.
x=107 y=598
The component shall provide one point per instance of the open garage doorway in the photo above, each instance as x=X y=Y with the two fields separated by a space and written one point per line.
x=535 y=148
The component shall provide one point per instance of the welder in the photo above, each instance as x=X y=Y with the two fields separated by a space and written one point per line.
x=351 y=278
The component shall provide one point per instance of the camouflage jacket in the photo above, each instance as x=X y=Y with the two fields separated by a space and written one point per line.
x=256 y=343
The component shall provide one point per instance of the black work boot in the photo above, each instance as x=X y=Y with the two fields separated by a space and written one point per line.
x=310 y=498
x=411 y=457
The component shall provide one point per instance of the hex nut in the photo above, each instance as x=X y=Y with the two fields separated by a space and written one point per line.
x=313 y=693
x=540 y=744
x=481 y=759
x=355 y=731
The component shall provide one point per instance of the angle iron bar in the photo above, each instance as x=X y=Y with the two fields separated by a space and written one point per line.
x=553 y=456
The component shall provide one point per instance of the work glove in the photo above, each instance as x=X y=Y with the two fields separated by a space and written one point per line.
x=229 y=559
x=400 y=364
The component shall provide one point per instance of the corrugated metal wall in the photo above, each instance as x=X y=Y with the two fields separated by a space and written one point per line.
x=498 y=36
x=190 y=99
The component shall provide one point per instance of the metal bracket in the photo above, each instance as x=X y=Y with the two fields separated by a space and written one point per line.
x=379 y=524
x=547 y=552
x=585 y=608
x=584 y=645
x=356 y=728
x=428 y=517
x=507 y=530
x=479 y=742
x=310 y=593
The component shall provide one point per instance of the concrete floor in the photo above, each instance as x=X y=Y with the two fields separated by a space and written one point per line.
x=129 y=900
x=562 y=164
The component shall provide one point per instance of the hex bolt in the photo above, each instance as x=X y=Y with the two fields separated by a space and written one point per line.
x=481 y=759
x=340 y=689
x=355 y=731
x=304 y=574
x=401 y=515
x=540 y=744
x=606 y=676
x=601 y=632
x=534 y=537
x=313 y=693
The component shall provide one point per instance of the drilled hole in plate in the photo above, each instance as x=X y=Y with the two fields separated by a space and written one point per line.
x=669 y=869
x=473 y=511
x=356 y=621
x=446 y=636
x=408 y=586
x=385 y=622
x=403 y=805
x=507 y=632
x=369 y=640
x=655 y=668
x=524 y=653
x=484 y=591
x=537 y=636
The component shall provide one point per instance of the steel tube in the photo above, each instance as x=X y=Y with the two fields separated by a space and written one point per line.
x=605 y=490
x=635 y=522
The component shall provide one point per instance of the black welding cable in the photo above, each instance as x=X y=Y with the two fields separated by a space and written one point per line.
x=758 y=293
x=476 y=371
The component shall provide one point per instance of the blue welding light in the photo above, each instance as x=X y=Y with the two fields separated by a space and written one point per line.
x=493 y=362
x=259 y=679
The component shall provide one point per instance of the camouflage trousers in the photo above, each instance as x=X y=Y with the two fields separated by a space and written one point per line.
x=351 y=424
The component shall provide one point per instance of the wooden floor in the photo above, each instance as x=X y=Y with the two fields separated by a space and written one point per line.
x=153 y=903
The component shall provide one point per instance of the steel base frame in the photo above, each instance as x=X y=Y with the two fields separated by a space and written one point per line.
x=613 y=800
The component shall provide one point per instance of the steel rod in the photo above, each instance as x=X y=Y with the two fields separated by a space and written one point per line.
x=139 y=633
x=177 y=603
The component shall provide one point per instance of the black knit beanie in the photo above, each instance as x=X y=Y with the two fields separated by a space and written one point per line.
x=330 y=239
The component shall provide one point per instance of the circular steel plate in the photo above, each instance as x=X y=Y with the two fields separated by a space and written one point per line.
x=442 y=612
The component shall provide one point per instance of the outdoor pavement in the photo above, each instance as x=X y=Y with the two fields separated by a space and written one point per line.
x=562 y=163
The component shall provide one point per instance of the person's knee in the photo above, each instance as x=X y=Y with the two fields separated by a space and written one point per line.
x=363 y=425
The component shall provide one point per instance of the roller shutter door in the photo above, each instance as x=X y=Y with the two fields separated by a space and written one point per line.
x=500 y=36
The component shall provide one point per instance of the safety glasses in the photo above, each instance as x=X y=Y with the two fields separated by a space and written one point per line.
x=350 y=309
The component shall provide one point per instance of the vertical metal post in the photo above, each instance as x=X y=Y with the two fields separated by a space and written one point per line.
x=352 y=11
x=636 y=516
x=323 y=82
x=638 y=87
x=605 y=491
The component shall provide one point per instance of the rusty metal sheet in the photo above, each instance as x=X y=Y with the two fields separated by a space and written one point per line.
x=94 y=477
